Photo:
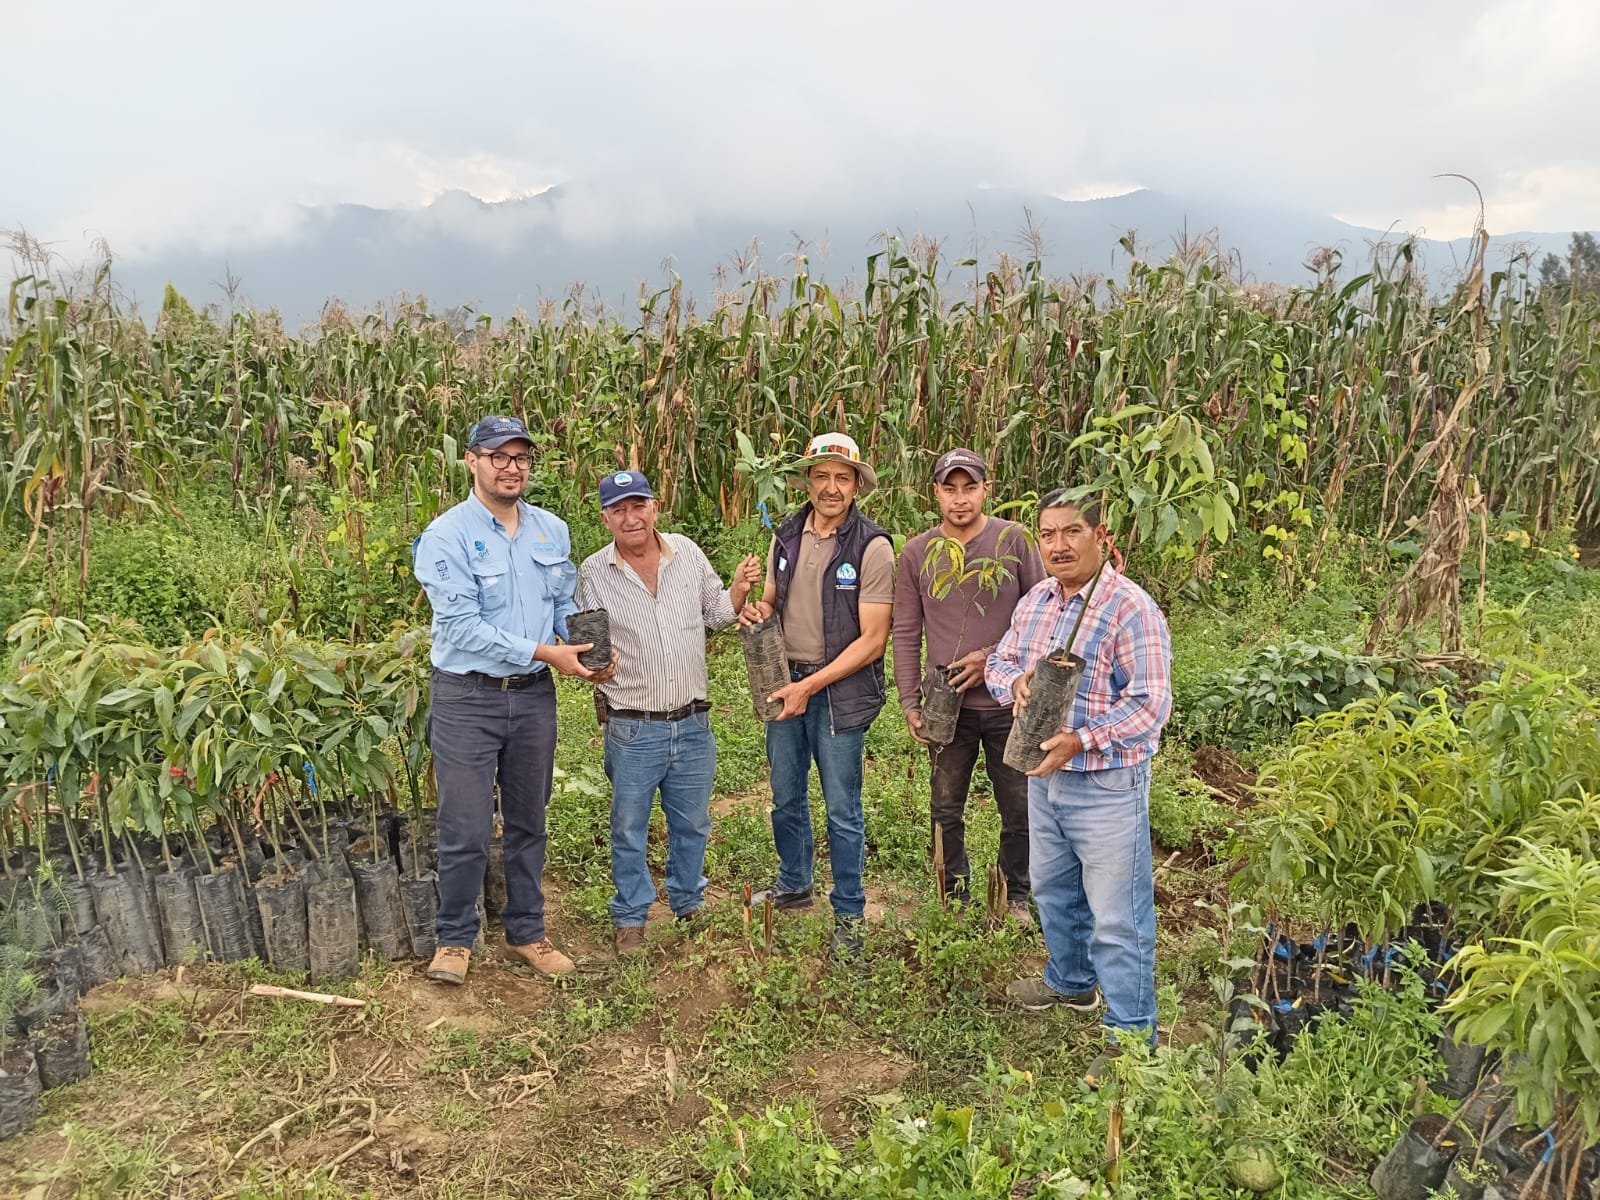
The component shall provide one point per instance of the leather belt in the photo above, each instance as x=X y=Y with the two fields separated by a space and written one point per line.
x=500 y=683
x=804 y=669
x=676 y=714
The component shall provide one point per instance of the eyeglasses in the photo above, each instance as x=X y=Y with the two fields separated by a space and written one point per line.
x=502 y=461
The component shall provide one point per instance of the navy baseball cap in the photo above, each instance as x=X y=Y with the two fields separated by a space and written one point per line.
x=493 y=432
x=619 y=485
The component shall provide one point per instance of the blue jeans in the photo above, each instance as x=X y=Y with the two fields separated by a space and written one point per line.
x=678 y=758
x=1089 y=856
x=792 y=746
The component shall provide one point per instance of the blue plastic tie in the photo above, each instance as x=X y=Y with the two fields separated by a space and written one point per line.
x=1283 y=1006
x=311 y=776
x=1549 y=1146
x=1321 y=942
x=50 y=775
x=765 y=519
x=1366 y=959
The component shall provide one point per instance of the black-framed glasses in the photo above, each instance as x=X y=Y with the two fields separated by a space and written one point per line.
x=502 y=461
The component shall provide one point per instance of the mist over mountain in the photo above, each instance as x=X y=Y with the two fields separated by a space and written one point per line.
x=497 y=258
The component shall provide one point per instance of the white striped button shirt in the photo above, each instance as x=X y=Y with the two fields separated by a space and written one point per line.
x=660 y=640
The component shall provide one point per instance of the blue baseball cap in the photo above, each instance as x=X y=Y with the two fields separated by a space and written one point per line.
x=493 y=432
x=619 y=485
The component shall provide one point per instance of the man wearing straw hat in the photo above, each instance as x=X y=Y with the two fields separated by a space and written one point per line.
x=830 y=577
x=1089 y=799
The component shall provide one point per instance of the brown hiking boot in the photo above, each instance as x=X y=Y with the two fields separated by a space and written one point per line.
x=543 y=957
x=630 y=940
x=449 y=964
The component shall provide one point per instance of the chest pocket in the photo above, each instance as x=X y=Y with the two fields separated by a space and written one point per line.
x=557 y=574
x=494 y=585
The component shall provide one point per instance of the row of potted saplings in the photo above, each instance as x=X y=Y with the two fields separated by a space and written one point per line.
x=1482 y=1152
x=304 y=904
x=304 y=894
x=1293 y=983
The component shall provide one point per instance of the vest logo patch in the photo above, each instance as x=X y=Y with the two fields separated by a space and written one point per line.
x=845 y=576
x=482 y=550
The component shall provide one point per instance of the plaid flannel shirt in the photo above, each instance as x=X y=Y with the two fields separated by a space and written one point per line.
x=1125 y=696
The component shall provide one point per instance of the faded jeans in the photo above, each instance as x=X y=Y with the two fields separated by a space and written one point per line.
x=1093 y=883
x=678 y=758
x=792 y=746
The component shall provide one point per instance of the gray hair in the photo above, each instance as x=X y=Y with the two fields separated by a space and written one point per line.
x=1063 y=498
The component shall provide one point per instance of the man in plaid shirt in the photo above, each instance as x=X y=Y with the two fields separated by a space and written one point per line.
x=1089 y=800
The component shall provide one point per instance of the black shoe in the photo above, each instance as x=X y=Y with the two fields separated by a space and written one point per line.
x=694 y=918
x=785 y=901
x=849 y=937
x=1036 y=995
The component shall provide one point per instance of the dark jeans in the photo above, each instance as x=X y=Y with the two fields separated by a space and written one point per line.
x=478 y=733
x=952 y=779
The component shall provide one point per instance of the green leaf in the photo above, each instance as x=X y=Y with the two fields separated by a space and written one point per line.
x=325 y=680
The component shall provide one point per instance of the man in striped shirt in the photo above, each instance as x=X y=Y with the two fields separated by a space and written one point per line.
x=660 y=595
x=1089 y=800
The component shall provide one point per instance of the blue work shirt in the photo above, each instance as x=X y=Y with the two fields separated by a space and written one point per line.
x=495 y=597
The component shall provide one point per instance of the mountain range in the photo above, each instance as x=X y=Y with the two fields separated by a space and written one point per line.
x=497 y=258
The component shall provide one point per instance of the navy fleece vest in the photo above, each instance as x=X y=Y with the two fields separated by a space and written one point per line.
x=854 y=700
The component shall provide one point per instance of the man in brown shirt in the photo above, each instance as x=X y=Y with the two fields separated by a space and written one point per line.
x=830 y=578
x=960 y=628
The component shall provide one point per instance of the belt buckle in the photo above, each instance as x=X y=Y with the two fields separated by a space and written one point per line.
x=505 y=683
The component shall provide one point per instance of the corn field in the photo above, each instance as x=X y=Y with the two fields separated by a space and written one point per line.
x=1255 y=408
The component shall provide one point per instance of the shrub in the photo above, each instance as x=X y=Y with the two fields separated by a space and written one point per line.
x=1281 y=685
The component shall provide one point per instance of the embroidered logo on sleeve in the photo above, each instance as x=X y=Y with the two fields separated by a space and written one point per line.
x=442 y=567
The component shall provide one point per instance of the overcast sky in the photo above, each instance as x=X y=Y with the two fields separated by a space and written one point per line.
x=161 y=124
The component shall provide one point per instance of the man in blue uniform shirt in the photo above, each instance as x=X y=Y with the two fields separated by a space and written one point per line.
x=499 y=575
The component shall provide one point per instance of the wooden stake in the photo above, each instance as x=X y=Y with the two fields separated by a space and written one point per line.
x=938 y=861
x=747 y=940
x=268 y=989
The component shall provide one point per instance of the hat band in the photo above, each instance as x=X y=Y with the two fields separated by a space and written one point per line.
x=849 y=452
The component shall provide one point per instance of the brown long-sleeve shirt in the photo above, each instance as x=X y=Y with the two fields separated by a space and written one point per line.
x=968 y=619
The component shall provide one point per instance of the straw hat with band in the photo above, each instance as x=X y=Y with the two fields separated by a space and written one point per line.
x=835 y=447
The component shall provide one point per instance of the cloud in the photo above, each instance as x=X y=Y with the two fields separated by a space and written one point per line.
x=194 y=128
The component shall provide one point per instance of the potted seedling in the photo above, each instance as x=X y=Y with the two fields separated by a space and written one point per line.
x=766 y=663
x=945 y=570
x=1534 y=996
x=592 y=626
x=1051 y=693
x=19 y=1070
